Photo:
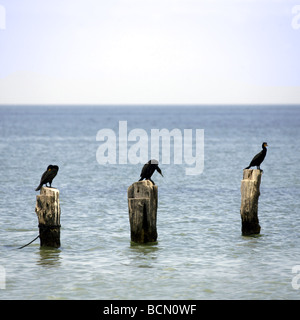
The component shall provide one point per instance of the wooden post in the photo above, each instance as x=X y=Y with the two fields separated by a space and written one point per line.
x=48 y=212
x=142 y=205
x=249 y=204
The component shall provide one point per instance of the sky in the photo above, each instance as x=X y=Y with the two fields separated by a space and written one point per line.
x=149 y=52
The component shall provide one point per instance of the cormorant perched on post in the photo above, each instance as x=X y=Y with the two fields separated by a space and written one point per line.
x=48 y=176
x=259 y=158
x=148 y=170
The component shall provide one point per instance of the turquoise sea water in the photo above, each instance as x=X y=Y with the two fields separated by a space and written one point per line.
x=200 y=253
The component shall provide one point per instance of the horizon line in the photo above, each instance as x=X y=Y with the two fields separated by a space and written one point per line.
x=149 y=104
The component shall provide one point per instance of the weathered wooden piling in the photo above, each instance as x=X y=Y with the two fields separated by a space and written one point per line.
x=48 y=212
x=249 y=205
x=142 y=206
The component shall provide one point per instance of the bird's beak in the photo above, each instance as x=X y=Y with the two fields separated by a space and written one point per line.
x=159 y=171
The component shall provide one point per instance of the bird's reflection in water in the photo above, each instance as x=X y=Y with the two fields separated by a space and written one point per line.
x=49 y=257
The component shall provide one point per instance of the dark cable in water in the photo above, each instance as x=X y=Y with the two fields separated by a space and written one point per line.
x=29 y=243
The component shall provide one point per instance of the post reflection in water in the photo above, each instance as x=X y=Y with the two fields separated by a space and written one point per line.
x=49 y=257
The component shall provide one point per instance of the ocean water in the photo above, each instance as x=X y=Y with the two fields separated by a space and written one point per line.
x=200 y=252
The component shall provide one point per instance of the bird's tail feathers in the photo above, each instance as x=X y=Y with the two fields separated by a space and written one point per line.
x=247 y=167
x=38 y=188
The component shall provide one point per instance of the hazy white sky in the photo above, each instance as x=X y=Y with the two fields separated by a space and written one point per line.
x=149 y=51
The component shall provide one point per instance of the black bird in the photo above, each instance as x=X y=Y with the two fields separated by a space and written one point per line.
x=148 y=170
x=259 y=158
x=48 y=176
